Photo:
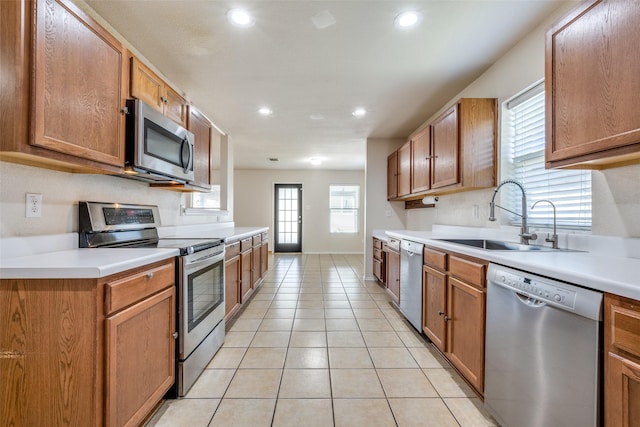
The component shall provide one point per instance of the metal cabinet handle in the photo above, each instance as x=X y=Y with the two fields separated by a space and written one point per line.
x=175 y=335
x=150 y=275
x=440 y=313
x=447 y=318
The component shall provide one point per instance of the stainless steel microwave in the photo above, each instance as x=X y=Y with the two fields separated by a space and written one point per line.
x=157 y=148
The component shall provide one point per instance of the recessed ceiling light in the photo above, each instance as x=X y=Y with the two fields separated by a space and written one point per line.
x=359 y=112
x=407 y=19
x=315 y=161
x=265 y=111
x=240 y=17
x=316 y=117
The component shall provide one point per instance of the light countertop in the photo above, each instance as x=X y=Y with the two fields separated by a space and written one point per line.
x=595 y=270
x=62 y=261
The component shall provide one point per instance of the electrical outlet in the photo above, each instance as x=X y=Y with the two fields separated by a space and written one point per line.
x=475 y=211
x=33 y=205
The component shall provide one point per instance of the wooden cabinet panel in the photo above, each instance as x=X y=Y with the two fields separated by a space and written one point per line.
x=445 y=149
x=79 y=85
x=255 y=267
x=473 y=272
x=434 y=305
x=132 y=289
x=51 y=369
x=377 y=243
x=421 y=161
x=231 y=250
x=147 y=86
x=465 y=330
x=264 y=257
x=622 y=363
x=379 y=267
x=404 y=169
x=392 y=176
x=393 y=275
x=232 y=286
x=592 y=117
x=435 y=259
x=202 y=130
x=622 y=391
x=140 y=358
x=245 y=275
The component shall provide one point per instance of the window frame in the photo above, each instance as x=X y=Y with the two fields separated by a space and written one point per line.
x=354 y=210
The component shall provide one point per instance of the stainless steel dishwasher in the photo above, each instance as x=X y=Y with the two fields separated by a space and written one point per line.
x=411 y=282
x=543 y=351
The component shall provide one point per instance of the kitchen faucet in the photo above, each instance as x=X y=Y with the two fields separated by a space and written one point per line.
x=554 y=237
x=525 y=236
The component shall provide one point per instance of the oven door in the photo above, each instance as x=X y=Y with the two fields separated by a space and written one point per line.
x=201 y=299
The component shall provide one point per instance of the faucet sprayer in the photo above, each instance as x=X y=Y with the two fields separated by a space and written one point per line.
x=525 y=236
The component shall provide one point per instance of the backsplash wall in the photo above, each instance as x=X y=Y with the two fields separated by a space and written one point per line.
x=61 y=192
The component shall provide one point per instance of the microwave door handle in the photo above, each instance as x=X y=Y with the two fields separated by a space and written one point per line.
x=185 y=165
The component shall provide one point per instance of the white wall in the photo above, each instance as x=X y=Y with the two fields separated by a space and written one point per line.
x=254 y=193
x=616 y=193
x=61 y=192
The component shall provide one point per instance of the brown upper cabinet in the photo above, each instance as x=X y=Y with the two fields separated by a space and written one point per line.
x=421 y=161
x=392 y=176
x=151 y=89
x=202 y=130
x=592 y=85
x=404 y=170
x=69 y=115
x=456 y=152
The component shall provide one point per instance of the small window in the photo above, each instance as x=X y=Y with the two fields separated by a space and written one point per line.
x=523 y=160
x=344 y=203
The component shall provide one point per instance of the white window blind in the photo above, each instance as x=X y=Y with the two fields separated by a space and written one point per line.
x=344 y=203
x=569 y=190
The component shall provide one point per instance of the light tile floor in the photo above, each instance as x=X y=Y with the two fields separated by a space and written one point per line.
x=317 y=346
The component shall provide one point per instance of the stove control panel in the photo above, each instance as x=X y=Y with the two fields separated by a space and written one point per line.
x=536 y=287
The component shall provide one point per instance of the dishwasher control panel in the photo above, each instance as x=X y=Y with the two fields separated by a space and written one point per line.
x=535 y=287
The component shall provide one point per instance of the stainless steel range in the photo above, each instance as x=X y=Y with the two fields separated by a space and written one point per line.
x=199 y=278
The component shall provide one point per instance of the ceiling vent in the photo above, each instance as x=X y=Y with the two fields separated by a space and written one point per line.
x=273 y=159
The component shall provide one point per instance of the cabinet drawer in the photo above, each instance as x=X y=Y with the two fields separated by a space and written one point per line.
x=625 y=326
x=377 y=254
x=231 y=250
x=393 y=245
x=265 y=236
x=471 y=271
x=257 y=239
x=377 y=244
x=435 y=259
x=245 y=244
x=128 y=290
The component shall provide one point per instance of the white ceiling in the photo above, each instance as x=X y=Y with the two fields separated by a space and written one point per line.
x=285 y=62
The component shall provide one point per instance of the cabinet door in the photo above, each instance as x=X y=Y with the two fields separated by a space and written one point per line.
x=175 y=106
x=590 y=113
x=231 y=286
x=421 y=161
x=445 y=149
x=393 y=275
x=404 y=170
x=255 y=267
x=80 y=75
x=245 y=275
x=465 y=330
x=201 y=129
x=434 y=305
x=264 y=258
x=377 y=269
x=392 y=176
x=146 y=85
x=622 y=392
x=140 y=358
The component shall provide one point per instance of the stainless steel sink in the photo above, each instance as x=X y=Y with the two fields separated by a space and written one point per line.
x=498 y=245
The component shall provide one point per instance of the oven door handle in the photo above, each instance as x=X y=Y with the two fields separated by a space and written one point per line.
x=208 y=260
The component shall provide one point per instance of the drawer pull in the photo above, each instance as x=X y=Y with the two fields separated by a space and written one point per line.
x=447 y=318
x=175 y=335
x=440 y=313
x=150 y=275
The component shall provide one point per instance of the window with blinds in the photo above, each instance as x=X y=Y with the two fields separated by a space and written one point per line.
x=523 y=160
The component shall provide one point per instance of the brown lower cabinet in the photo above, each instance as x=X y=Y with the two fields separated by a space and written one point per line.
x=246 y=264
x=454 y=307
x=622 y=361
x=392 y=249
x=87 y=352
x=379 y=265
